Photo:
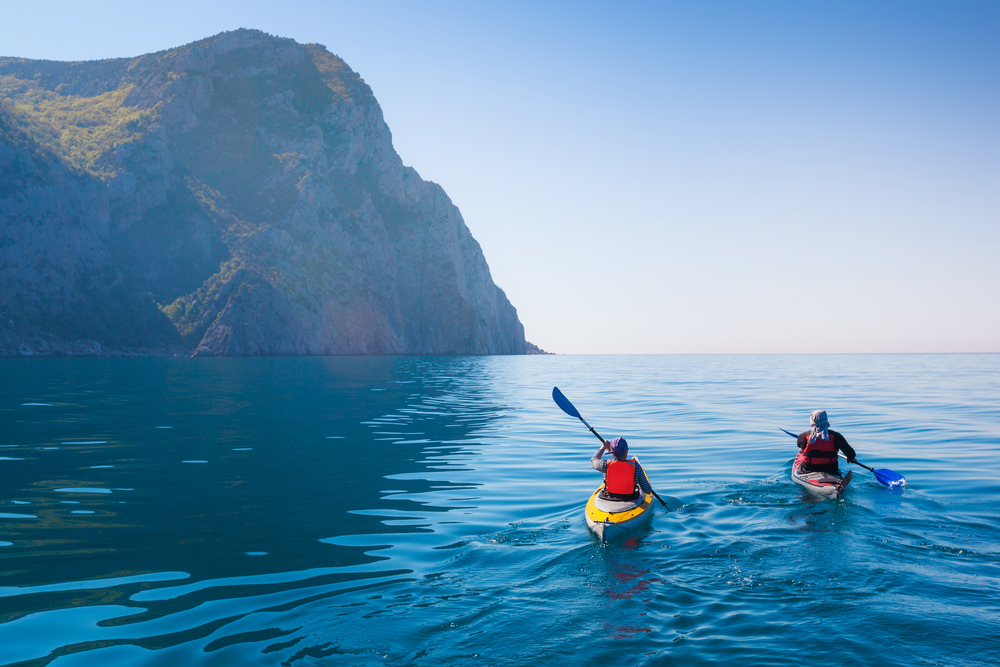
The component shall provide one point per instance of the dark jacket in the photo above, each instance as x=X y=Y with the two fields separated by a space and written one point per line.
x=839 y=441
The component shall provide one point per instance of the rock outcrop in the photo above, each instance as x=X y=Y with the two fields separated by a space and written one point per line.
x=235 y=196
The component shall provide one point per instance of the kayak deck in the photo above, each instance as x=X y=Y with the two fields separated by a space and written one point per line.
x=827 y=484
x=609 y=519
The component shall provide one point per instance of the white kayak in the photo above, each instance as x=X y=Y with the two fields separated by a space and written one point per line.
x=827 y=484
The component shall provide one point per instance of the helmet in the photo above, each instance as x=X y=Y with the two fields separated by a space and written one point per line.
x=619 y=448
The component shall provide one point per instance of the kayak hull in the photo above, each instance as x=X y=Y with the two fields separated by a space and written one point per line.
x=611 y=519
x=609 y=525
x=828 y=484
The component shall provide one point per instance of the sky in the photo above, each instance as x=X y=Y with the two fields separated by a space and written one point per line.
x=670 y=177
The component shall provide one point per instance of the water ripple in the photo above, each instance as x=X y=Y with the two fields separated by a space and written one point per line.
x=447 y=528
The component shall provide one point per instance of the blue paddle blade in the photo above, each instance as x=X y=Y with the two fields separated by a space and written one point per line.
x=564 y=403
x=889 y=478
x=885 y=476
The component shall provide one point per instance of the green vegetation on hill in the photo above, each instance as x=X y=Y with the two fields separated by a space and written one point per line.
x=237 y=195
x=84 y=130
x=338 y=77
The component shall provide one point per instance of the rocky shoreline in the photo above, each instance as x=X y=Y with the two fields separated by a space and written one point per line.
x=50 y=347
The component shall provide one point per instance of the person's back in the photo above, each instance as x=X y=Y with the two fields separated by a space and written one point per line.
x=623 y=479
x=619 y=480
x=820 y=445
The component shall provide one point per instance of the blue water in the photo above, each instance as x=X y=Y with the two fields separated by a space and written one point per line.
x=429 y=511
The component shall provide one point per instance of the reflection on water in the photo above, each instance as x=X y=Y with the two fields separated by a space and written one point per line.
x=429 y=511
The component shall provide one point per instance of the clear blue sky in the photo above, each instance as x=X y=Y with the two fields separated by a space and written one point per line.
x=671 y=177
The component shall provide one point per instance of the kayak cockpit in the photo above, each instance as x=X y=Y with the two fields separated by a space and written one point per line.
x=606 y=502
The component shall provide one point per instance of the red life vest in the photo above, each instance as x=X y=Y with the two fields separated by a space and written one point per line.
x=620 y=478
x=820 y=452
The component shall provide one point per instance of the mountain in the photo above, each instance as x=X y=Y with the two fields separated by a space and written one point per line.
x=235 y=196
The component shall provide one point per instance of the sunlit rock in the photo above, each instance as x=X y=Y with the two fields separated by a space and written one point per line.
x=236 y=196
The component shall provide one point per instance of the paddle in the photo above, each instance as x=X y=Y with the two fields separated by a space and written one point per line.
x=568 y=408
x=885 y=476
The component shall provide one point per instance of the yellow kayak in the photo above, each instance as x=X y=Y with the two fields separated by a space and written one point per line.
x=610 y=518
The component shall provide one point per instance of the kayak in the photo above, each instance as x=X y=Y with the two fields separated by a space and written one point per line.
x=827 y=484
x=610 y=519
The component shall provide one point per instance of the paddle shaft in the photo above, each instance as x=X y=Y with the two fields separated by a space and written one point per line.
x=854 y=461
x=566 y=406
x=596 y=434
x=655 y=494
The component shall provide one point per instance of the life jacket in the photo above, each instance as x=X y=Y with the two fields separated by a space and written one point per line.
x=821 y=452
x=619 y=479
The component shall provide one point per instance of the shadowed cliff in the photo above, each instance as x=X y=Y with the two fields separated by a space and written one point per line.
x=235 y=196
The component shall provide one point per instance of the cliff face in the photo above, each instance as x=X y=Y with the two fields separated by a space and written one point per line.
x=236 y=196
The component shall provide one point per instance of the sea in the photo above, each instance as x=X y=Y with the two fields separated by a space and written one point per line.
x=429 y=511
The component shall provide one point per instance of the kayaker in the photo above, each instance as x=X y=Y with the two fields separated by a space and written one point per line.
x=620 y=474
x=821 y=444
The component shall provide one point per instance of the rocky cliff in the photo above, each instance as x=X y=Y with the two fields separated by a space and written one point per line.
x=235 y=196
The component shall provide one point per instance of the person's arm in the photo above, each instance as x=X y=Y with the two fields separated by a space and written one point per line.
x=840 y=442
x=803 y=440
x=596 y=461
x=640 y=479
